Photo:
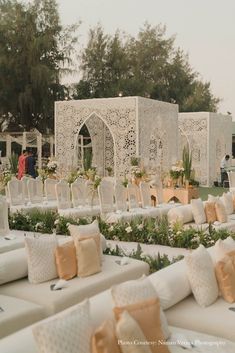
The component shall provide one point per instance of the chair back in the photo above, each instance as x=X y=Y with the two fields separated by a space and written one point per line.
x=15 y=191
x=49 y=186
x=4 y=224
x=92 y=198
x=132 y=193
x=63 y=195
x=35 y=190
x=79 y=192
x=24 y=181
x=120 y=196
x=106 y=196
x=145 y=194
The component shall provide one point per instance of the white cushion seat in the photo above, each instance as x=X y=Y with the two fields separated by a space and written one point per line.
x=78 y=288
x=17 y=314
x=83 y=211
x=211 y=320
x=101 y=309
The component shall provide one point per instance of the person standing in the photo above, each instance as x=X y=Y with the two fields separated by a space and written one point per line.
x=21 y=164
x=224 y=164
x=30 y=165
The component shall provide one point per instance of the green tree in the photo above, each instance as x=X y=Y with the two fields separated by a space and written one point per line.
x=34 y=49
x=148 y=65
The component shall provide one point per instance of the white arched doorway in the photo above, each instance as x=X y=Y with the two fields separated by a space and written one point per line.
x=94 y=146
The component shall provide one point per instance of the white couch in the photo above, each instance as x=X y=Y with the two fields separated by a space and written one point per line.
x=24 y=303
x=184 y=215
x=181 y=308
x=101 y=309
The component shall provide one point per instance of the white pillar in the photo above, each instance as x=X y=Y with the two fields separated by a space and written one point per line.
x=51 y=141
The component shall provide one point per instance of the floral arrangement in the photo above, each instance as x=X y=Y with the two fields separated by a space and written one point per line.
x=51 y=166
x=6 y=176
x=177 y=170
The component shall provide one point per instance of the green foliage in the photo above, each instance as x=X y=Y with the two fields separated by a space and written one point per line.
x=146 y=231
x=13 y=161
x=34 y=50
x=148 y=65
x=187 y=162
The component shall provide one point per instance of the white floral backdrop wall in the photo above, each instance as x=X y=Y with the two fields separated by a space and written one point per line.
x=209 y=136
x=120 y=129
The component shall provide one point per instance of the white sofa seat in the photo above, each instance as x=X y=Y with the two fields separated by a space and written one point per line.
x=83 y=211
x=101 y=309
x=78 y=288
x=17 y=314
x=215 y=319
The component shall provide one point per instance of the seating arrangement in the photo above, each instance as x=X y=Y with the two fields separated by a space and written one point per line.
x=120 y=203
x=191 y=327
x=81 y=200
x=218 y=211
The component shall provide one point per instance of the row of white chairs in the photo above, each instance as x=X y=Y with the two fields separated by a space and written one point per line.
x=113 y=201
x=120 y=203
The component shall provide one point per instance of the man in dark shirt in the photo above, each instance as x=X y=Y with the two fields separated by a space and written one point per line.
x=30 y=163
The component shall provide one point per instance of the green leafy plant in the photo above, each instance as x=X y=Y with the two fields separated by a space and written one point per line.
x=187 y=162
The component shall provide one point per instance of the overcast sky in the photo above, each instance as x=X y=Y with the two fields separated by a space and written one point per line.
x=205 y=29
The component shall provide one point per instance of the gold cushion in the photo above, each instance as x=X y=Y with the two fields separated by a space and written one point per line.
x=104 y=339
x=221 y=214
x=210 y=212
x=129 y=331
x=66 y=260
x=88 y=258
x=147 y=315
x=225 y=273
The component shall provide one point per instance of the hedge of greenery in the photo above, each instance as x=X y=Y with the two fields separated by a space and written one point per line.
x=148 y=231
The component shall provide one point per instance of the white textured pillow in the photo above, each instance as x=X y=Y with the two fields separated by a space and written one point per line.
x=135 y=291
x=198 y=211
x=201 y=275
x=86 y=231
x=69 y=331
x=41 y=258
x=13 y=265
x=128 y=330
x=171 y=284
x=221 y=249
x=227 y=200
x=182 y=214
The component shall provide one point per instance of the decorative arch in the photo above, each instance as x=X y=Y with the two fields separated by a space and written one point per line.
x=120 y=127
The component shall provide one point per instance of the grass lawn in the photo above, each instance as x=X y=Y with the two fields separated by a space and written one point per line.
x=216 y=191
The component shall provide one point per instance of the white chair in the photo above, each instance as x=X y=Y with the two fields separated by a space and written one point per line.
x=133 y=201
x=35 y=190
x=231 y=179
x=49 y=187
x=120 y=196
x=36 y=199
x=106 y=197
x=79 y=199
x=146 y=201
x=16 y=197
x=4 y=224
x=24 y=181
x=63 y=194
x=92 y=198
x=79 y=193
x=15 y=192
